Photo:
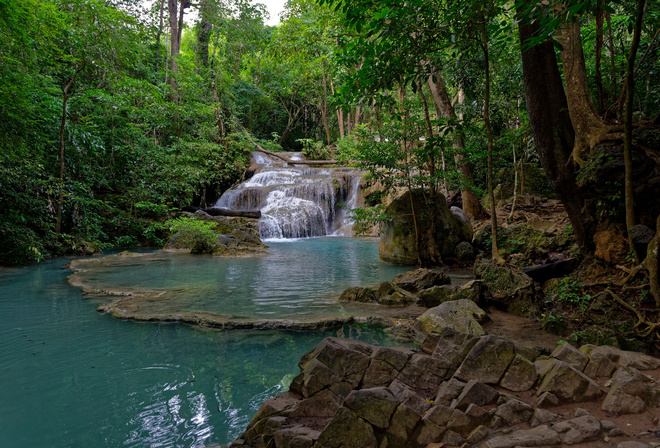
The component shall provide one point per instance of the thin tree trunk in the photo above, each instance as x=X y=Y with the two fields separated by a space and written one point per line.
x=172 y=6
x=340 y=114
x=60 y=181
x=471 y=203
x=489 y=133
x=611 y=45
x=324 y=106
x=204 y=35
x=599 y=53
x=160 y=29
x=627 y=148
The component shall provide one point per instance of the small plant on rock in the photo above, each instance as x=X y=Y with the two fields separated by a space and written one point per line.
x=194 y=234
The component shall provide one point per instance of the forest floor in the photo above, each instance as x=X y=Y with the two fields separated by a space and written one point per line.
x=578 y=307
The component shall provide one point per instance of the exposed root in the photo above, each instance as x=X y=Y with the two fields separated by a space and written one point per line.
x=589 y=142
x=643 y=328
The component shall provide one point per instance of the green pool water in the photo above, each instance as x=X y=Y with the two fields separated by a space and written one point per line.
x=72 y=377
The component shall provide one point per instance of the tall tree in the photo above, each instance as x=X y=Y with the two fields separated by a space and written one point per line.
x=551 y=125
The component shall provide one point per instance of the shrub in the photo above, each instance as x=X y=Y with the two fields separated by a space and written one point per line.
x=193 y=234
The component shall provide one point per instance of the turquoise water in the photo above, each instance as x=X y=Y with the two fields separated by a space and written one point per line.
x=298 y=280
x=71 y=377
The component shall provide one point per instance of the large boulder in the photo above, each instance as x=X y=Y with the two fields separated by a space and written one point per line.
x=419 y=279
x=507 y=286
x=398 y=236
x=461 y=315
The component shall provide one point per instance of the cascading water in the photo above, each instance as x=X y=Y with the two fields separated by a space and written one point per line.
x=296 y=201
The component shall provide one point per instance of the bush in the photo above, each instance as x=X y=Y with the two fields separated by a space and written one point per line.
x=193 y=234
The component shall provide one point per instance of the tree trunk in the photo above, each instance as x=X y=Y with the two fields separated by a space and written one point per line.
x=471 y=203
x=551 y=124
x=160 y=30
x=588 y=126
x=627 y=147
x=172 y=6
x=60 y=181
x=204 y=35
x=489 y=133
x=324 y=105
x=599 y=53
x=611 y=45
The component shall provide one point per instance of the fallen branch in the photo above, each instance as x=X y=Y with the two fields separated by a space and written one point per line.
x=289 y=161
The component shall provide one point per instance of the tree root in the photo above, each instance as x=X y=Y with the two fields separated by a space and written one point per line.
x=643 y=328
x=589 y=142
x=649 y=265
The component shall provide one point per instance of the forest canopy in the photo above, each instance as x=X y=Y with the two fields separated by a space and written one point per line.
x=114 y=112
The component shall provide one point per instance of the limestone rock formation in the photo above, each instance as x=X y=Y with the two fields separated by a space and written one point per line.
x=398 y=236
x=350 y=394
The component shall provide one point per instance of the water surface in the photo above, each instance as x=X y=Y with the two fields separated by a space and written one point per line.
x=72 y=377
x=298 y=280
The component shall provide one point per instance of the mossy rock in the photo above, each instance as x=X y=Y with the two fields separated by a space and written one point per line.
x=397 y=236
x=508 y=287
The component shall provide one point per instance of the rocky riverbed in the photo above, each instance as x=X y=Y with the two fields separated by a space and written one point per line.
x=463 y=390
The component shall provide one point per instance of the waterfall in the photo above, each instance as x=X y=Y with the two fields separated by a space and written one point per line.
x=296 y=201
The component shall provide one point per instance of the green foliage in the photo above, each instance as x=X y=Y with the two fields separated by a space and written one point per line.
x=569 y=291
x=193 y=234
x=314 y=150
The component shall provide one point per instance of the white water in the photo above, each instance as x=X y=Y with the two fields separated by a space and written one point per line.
x=298 y=201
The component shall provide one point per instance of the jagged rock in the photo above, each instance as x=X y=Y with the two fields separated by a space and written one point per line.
x=436 y=295
x=477 y=435
x=295 y=437
x=357 y=294
x=571 y=356
x=520 y=376
x=465 y=252
x=375 y=405
x=569 y=384
x=540 y=417
x=514 y=411
x=409 y=397
x=420 y=279
x=547 y=399
x=454 y=346
x=476 y=393
x=579 y=430
x=629 y=392
x=539 y=436
x=346 y=358
x=424 y=373
x=462 y=315
x=461 y=422
x=347 y=429
x=622 y=358
x=428 y=433
x=452 y=438
x=449 y=391
x=488 y=360
x=611 y=245
x=404 y=421
x=386 y=363
x=439 y=415
x=641 y=236
x=507 y=286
